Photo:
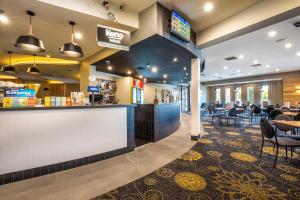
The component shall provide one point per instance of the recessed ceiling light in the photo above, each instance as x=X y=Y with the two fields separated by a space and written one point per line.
x=184 y=68
x=298 y=53
x=272 y=33
x=225 y=67
x=208 y=7
x=129 y=72
x=186 y=74
x=165 y=76
x=267 y=66
x=175 y=59
x=3 y=18
x=109 y=68
x=255 y=61
x=78 y=35
x=288 y=45
x=164 y=81
x=250 y=73
x=48 y=56
x=277 y=70
x=238 y=71
x=241 y=56
x=145 y=80
x=216 y=74
x=140 y=76
x=154 y=69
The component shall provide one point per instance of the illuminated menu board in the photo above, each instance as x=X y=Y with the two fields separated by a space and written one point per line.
x=180 y=27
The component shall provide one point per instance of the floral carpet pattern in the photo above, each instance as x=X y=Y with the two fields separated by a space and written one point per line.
x=224 y=164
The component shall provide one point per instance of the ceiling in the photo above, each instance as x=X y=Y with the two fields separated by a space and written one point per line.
x=200 y=20
x=53 y=30
x=158 y=52
x=259 y=46
x=134 y=5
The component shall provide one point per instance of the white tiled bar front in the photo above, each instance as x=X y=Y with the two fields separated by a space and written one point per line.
x=36 y=138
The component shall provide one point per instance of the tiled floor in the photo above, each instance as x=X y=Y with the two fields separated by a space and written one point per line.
x=91 y=180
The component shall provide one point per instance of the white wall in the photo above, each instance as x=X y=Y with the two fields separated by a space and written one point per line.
x=149 y=91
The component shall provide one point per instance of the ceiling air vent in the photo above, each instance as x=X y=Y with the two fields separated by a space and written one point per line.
x=256 y=65
x=231 y=58
x=202 y=74
x=141 y=68
x=231 y=74
x=280 y=40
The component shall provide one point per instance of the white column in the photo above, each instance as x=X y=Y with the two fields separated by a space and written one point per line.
x=195 y=99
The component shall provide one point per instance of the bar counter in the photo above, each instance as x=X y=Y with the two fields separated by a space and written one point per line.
x=42 y=140
x=154 y=122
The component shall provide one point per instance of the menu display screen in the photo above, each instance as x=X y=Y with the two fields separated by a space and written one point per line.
x=180 y=27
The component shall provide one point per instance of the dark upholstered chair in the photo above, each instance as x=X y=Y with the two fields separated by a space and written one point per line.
x=274 y=113
x=269 y=135
x=269 y=109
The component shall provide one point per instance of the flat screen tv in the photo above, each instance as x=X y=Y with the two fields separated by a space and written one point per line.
x=180 y=27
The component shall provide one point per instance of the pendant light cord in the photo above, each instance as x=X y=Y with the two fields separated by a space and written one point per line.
x=30 y=26
x=72 y=35
x=9 y=59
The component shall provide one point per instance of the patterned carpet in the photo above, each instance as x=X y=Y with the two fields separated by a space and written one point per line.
x=224 y=164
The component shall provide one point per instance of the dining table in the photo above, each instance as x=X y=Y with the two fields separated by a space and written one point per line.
x=295 y=124
x=291 y=114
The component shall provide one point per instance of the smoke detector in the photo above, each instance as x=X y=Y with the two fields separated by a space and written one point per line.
x=122 y=7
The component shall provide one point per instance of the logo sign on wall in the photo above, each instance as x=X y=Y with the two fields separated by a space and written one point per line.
x=19 y=93
x=113 y=38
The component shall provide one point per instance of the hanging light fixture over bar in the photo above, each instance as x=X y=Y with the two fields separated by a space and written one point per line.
x=34 y=69
x=29 y=42
x=71 y=49
x=9 y=68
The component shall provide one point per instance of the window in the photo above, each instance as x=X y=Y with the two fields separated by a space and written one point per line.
x=238 y=95
x=264 y=93
x=250 y=95
x=227 y=95
x=218 y=95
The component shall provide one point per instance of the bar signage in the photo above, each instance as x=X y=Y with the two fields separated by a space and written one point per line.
x=19 y=93
x=93 y=89
x=113 y=38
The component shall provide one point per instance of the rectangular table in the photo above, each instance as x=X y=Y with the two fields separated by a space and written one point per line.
x=295 y=124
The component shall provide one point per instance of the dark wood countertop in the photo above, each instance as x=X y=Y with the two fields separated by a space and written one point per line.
x=65 y=107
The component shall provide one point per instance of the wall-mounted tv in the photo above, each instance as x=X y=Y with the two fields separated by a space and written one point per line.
x=180 y=27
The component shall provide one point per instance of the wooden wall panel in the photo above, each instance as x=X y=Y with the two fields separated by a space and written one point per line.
x=290 y=93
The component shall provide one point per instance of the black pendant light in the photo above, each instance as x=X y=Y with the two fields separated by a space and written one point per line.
x=71 y=49
x=34 y=69
x=9 y=68
x=29 y=42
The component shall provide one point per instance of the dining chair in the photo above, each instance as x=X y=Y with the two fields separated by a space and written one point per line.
x=269 y=135
x=274 y=113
